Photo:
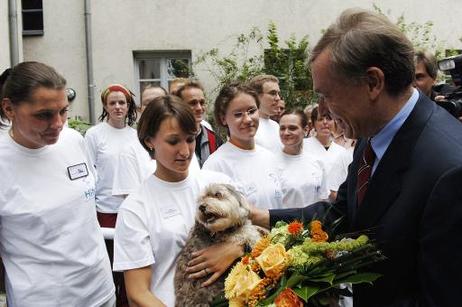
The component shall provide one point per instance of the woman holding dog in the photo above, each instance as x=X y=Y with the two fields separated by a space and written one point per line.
x=251 y=166
x=154 y=221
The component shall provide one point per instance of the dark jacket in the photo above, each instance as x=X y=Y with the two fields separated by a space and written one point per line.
x=413 y=206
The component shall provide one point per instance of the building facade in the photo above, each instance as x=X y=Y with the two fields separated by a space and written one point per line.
x=141 y=41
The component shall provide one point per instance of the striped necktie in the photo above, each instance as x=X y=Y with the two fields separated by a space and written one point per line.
x=364 y=172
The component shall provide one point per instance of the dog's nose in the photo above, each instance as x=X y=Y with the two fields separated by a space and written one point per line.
x=202 y=208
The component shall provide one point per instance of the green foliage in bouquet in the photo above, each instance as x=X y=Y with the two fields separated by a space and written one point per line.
x=296 y=265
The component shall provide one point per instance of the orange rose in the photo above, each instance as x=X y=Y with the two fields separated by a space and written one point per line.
x=288 y=298
x=316 y=232
x=316 y=224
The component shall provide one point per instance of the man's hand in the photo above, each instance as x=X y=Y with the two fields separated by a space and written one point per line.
x=260 y=217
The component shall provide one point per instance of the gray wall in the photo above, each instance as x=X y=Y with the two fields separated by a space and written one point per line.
x=4 y=38
x=5 y=59
x=121 y=26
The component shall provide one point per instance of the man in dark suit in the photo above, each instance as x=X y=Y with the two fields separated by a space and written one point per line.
x=411 y=198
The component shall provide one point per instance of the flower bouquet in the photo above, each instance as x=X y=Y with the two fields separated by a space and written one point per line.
x=298 y=266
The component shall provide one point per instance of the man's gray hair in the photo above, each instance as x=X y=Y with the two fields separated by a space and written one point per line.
x=361 y=39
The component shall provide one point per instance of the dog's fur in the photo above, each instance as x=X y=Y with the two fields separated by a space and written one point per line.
x=222 y=216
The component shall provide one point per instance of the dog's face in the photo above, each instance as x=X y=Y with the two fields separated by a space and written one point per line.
x=221 y=207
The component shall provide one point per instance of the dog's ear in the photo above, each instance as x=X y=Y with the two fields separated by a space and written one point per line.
x=238 y=195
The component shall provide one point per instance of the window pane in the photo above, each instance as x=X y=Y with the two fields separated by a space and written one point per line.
x=31 y=4
x=178 y=68
x=149 y=69
x=32 y=21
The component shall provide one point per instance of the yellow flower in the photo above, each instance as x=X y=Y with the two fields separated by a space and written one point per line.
x=235 y=302
x=240 y=282
x=260 y=246
x=273 y=259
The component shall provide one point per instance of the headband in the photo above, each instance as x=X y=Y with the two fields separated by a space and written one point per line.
x=117 y=88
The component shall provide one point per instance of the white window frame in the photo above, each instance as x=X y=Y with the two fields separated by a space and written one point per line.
x=163 y=56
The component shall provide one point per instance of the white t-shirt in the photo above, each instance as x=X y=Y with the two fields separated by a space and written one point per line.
x=4 y=129
x=50 y=242
x=339 y=171
x=313 y=147
x=153 y=224
x=268 y=135
x=254 y=171
x=303 y=179
x=105 y=144
x=134 y=165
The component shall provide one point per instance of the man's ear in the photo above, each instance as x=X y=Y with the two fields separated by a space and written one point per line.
x=375 y=82
x=8 y=109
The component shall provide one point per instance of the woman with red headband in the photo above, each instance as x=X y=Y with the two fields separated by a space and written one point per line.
x=105 y=141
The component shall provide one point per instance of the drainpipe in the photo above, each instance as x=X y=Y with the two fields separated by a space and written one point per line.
x=89 y=58
x=13 y=27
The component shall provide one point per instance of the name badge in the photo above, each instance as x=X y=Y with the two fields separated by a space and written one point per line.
x=77 y=171
x=168 y=212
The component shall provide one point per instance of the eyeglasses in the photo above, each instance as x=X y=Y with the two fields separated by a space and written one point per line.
x=249 y=112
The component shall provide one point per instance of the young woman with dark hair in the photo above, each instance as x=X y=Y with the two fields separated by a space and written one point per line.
x=50 y=241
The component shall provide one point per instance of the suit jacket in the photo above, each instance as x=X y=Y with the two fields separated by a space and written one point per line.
x=413 y=208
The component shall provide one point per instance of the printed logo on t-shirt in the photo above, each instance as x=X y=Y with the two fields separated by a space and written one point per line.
x=90 y=193
x=168 y=212
x=277 y=194
x=77 y=171
x=277 y=183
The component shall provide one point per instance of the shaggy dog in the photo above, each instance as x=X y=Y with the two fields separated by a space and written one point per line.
x=222 y=216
